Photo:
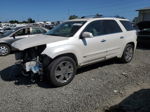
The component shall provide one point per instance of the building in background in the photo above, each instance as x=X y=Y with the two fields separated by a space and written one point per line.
x=144 y=14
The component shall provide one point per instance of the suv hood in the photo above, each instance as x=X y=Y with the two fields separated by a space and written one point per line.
x=36 y=41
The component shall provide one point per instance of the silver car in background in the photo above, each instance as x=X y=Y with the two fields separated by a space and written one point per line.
x=9 y=37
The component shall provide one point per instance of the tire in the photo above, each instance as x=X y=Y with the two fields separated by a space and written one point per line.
x=61 y=71
x=4 y=49
x=128 y=54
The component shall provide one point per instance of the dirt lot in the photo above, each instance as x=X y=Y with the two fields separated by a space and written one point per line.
x=95 y=88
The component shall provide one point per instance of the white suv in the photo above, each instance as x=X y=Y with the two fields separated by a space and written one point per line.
x=73 y=44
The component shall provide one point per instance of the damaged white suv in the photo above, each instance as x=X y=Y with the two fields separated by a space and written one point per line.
x=73 y=44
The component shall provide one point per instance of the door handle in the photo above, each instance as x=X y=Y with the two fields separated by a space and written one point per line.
x=103 y=40
x=122 y=37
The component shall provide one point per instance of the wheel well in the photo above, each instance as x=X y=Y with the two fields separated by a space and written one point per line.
x=70 y=55
x=132 y=43
x=6 y=44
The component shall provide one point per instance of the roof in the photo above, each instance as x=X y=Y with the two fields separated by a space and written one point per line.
x=28 y=26
x=146 y=8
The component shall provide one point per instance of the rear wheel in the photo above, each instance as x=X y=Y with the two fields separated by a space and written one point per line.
x=61 y=71
x=128 y=53
x=4 y=49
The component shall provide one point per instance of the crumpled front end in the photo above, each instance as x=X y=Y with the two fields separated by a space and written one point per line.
x=32 y=61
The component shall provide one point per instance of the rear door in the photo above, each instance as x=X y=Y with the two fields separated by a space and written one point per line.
x=36 y=30
x=114 y=38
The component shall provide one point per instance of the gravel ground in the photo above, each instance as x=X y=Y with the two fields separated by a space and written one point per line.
x=94 y=89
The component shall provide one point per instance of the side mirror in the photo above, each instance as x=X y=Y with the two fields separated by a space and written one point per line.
x=86 y=35
x=13 y=36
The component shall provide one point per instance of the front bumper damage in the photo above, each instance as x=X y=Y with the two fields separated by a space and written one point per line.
x=32 y=69
x=32 y=62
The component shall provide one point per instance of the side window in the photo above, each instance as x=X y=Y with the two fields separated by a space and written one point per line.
x=128 y=26
x=95 y=28
x=22 y=32
x=36 y=31
x=111 y=26
x=103 y=27
x=43 y=31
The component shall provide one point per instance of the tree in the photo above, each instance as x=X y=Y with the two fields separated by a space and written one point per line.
x=117 y=16
x=98 y=15
x=23 y=22
x=73 y=17
x=30 y=20
x=13 y=21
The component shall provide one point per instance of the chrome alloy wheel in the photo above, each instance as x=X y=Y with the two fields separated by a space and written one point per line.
x=64 y=71
x=129 y=53
x=3 y=50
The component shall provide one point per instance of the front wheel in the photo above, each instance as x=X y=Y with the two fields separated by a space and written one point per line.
x=61 y=71
x=128 y=53
x=4 y=49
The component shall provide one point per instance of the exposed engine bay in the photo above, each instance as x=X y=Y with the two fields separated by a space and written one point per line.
x=32 y=61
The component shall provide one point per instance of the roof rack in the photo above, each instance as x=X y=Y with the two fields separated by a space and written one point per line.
x=101 y=16
x=92 y=16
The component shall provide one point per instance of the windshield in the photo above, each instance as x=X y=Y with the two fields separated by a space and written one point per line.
x=7 y=33
x=67 y=29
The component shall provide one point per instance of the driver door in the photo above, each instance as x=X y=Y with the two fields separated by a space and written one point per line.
x=22 y=33
x=94 y=48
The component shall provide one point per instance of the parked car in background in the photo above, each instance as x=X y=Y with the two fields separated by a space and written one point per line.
x=4 y=30
x=1 y=31
x=73 y=44
x=49 y=26
x=7 y=38
x=144 y=33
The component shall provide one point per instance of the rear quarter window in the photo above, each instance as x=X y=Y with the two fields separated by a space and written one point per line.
x=128 y=25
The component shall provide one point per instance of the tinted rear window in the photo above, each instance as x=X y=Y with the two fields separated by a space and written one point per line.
x=103 y=27
x=128 y=26
x=111 y=26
